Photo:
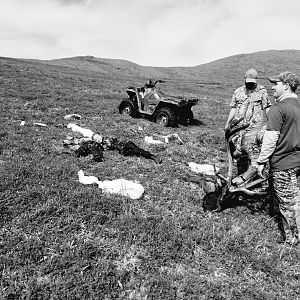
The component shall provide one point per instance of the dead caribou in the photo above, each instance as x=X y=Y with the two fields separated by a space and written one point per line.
x=221 y=191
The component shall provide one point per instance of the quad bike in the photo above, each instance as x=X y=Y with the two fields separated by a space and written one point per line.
x=149 y=102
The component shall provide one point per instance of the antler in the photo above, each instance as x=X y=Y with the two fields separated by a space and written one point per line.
x=222 y=177
x=230 y=167
x=245 y=188
x=233 y=131
x=228 y=136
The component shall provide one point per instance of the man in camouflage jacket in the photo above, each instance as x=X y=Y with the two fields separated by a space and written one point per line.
x=249 y=106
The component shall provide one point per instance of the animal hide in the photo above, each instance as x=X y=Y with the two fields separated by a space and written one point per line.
x=121 y=186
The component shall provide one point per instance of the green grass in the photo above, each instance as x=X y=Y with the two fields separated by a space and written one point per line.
x=60 y=239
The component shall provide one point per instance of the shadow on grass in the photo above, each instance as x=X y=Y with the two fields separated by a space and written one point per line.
x=197 y=122
x=194 y=122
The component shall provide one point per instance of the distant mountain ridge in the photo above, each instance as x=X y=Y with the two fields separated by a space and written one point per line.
x=266 y=63
x=229 y=69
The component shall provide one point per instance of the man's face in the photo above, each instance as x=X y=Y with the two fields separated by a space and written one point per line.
x=278 y=89
x=250 y=85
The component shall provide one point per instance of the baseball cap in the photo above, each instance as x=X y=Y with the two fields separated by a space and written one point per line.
x=251 y=75
x=286 y=77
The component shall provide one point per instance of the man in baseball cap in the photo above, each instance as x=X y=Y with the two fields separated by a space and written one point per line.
x=248 y=107
x=288 y=78
x=251 y=75
x=281 y=148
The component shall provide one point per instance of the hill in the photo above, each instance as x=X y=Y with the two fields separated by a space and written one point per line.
x=266 y=63
x=226 y=72
x=61 y=239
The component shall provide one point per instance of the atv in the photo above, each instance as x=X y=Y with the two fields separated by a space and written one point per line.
x=151 y=103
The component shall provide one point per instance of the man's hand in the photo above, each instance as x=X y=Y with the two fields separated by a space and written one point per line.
x=260 y=170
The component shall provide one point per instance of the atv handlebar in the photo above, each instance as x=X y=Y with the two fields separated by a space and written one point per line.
x=159 y=81
x=142 y=89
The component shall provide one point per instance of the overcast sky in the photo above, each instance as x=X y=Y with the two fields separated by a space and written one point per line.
x=147 y=32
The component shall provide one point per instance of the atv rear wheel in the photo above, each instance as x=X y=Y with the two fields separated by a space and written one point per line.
x=166 y=116
x=126 y=107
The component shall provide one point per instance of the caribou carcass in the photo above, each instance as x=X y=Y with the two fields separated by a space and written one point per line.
x=221 y=192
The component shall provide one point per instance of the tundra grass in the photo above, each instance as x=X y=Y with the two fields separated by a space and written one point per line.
x=60 y=239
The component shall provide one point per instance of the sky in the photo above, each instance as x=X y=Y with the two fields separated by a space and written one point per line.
x=157 y=33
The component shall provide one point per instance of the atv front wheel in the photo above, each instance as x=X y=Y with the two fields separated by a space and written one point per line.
x=166 y=116
x=126 y=107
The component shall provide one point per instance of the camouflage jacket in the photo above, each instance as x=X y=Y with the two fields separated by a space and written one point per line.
x=250 y=105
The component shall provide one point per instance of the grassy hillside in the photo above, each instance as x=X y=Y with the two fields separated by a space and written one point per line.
x=267 y=63
x=60 y=239
x=224 y=73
